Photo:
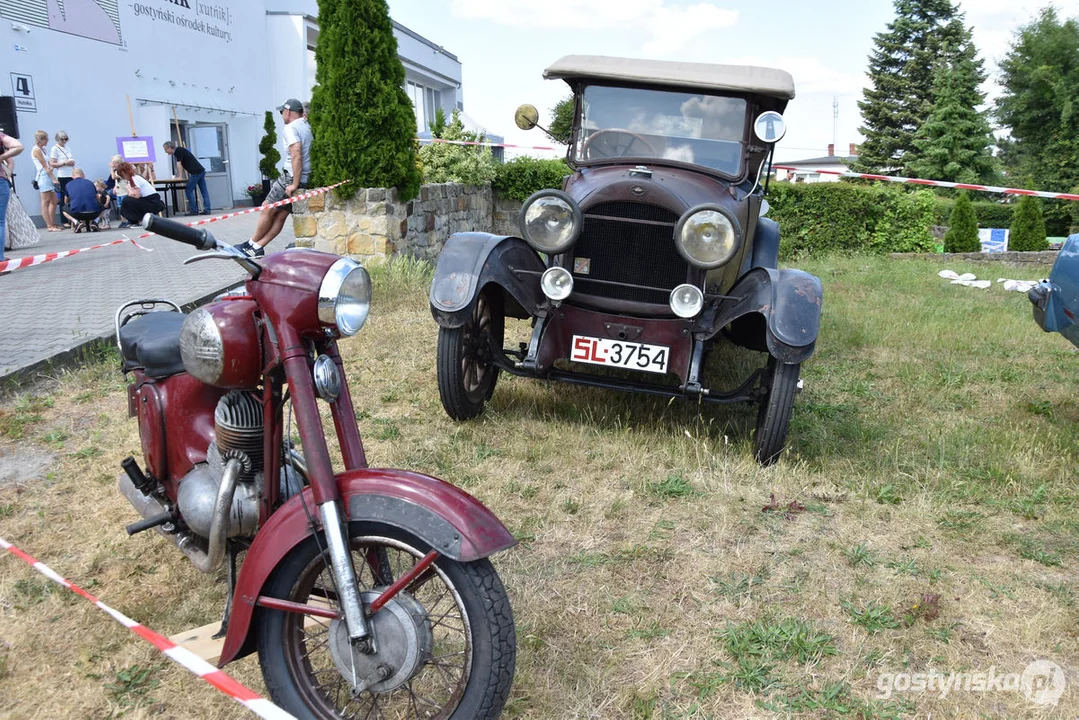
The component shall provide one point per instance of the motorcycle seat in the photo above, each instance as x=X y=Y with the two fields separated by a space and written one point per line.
x=152 y=342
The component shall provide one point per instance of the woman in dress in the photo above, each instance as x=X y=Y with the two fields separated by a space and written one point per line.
x=46 y=180
x=63 y=162
x=9 y=148
x=141 y=198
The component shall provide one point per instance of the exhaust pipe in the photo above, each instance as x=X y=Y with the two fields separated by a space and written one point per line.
x=205 y=560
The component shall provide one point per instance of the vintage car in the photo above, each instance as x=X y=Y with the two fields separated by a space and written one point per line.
x=656 y=247
x=1056 y=300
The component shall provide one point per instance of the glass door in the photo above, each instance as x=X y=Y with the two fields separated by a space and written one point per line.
x=210 y=144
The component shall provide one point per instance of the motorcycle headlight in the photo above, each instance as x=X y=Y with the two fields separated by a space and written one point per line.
x=344 y=298
x=201 y=346
x=707 y=236
x=550 y=221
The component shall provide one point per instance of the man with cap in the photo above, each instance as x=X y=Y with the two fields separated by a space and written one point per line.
x=297 y=139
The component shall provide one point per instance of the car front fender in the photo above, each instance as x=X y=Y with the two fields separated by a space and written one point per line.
x=790 y=303
x=1056 y=300
x=445 y=517
x=472 y=260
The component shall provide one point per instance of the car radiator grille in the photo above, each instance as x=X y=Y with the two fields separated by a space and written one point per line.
x=618 y=247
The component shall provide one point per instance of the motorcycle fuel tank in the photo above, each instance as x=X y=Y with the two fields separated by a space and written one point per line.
x=220 y=344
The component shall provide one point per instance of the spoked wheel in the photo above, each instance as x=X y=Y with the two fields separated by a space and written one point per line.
x=466 y=375
x=774 y=415
x=446 y=645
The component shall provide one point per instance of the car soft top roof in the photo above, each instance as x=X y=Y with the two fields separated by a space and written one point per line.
x=704 y=76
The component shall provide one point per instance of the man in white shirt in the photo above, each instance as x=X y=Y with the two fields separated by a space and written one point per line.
x=297 y=138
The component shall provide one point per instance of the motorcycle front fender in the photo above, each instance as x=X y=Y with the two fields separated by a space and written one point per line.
x=445 y=517
x=472 y=260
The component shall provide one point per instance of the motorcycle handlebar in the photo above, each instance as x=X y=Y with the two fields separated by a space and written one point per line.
x=196 y=237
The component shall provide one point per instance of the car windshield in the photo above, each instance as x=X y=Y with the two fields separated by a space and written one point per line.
x=641 y=124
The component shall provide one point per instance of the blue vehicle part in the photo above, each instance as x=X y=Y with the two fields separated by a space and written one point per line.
x=472 y=260
x=777 y=310
x=1056 y=300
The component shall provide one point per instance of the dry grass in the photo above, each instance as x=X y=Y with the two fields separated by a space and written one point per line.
x=934 y=452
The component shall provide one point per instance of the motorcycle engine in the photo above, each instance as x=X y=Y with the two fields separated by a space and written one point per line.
x=238 y=429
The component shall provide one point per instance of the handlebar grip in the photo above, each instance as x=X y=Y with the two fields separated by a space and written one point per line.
x=196 y=237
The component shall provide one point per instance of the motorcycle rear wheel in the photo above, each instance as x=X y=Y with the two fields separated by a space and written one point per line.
x=469 y=629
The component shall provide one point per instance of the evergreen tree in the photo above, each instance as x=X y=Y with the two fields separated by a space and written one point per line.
x=562 y=120
x=1028 y=226
x=268 y=148
x=962 y=235
x=1040 y=81
x=953 y=143
x=363 y=122
x=901 y=71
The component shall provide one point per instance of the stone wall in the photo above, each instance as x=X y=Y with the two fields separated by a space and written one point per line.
x=1037 y=258
x=374 y=224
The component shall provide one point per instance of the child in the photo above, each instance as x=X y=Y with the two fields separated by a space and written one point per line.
x=105 y=202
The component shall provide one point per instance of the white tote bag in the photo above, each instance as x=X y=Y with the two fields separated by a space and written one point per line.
x=21 y=231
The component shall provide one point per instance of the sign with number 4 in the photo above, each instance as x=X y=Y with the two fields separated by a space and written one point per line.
x=22 y=88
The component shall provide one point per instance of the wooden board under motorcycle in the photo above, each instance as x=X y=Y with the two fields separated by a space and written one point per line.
x=365 y=592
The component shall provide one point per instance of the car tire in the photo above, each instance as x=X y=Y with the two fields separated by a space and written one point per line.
x=774 y=414
x=466 y=375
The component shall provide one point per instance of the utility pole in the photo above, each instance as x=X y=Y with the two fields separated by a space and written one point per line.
x=835 y=121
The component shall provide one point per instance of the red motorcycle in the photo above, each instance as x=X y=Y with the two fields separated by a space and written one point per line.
x=366 y=592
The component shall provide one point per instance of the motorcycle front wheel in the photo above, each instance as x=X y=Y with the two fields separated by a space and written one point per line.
x=446 y=645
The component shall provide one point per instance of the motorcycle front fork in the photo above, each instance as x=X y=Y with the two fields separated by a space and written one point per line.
x=344 y=574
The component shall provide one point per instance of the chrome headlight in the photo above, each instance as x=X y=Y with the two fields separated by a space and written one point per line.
x=551 y=221
x=344 y=298
x=556 y=283
x=707 y=236
x=201 y=347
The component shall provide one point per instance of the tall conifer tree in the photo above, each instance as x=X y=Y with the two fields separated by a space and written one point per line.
x=363 y=122
x=923 y=33
x=953 y=143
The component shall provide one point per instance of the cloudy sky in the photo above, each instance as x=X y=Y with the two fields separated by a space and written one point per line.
x=504 y=45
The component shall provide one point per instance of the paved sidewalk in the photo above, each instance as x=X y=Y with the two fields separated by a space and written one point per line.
x=53 y=310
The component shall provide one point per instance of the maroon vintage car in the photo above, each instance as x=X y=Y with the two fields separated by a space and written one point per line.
x=655 y=248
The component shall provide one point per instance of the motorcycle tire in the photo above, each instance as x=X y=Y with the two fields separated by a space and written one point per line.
x=774 y=414
x=466 y=377
x=306 y=682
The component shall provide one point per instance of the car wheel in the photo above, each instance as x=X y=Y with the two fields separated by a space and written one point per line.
x=466 y=374
x=774 y=416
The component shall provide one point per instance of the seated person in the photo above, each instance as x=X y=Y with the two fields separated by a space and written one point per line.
x=105 y=201
x=141 y=197
x=83 y=207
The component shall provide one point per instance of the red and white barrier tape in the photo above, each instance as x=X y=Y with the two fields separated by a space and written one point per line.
x=49 y=257
x=488 y=144
x=180 y=655
x=935 y=183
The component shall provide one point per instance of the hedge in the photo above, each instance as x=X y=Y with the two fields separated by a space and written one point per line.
x=842 y=217
x=520 y=177
x=989 y=214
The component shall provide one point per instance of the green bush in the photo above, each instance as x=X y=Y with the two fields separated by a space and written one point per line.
x=1028 y=227
x=268 y=148
x=844 y=217
x=962 y=235
x=989 y=214
x=468 y=164
x=363 y=122
x=520 y=177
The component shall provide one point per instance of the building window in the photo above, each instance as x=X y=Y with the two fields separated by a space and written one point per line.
x=434 y=102
x=416 y=95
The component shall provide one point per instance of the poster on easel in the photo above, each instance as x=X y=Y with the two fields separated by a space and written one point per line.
x=136 y=149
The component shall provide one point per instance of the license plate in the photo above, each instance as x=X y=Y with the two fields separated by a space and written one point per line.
x=618 y=353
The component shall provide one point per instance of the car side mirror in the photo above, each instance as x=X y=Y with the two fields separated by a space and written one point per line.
x=526 y=117
x=769 y=127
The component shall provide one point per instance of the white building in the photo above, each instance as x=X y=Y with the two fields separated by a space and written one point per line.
x=206 y=72
x=809 y=169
